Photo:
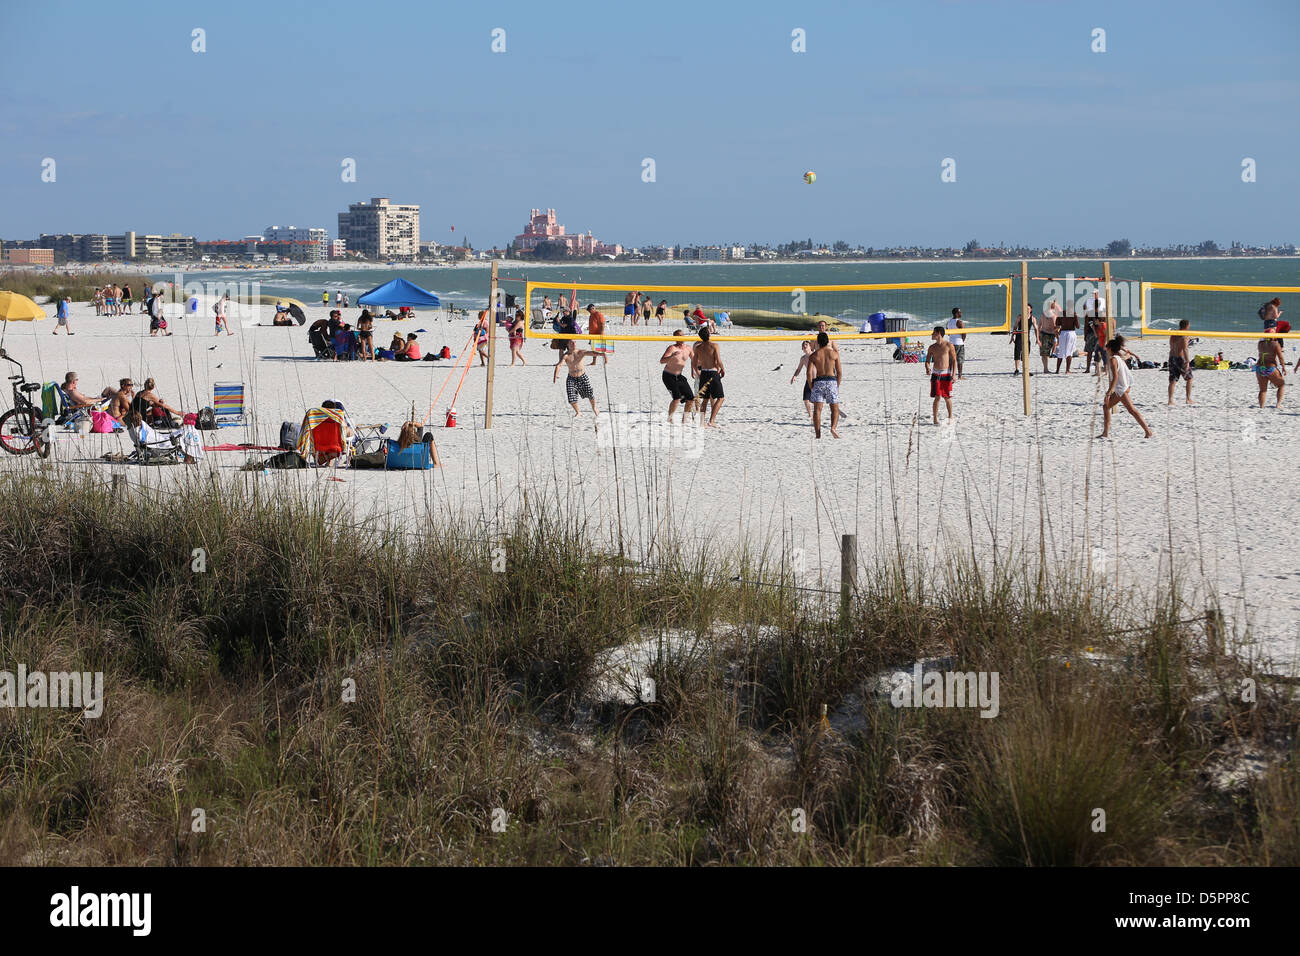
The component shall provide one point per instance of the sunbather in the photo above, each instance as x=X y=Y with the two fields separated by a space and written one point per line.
x=75 y=397
x=120 y=401
x=153 y=408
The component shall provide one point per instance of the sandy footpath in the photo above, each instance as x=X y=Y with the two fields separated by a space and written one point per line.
x=1213 y=488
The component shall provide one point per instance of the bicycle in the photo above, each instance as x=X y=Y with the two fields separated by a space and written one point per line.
x=22 y=428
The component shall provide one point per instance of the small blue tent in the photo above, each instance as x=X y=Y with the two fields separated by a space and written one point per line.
x=397 y=293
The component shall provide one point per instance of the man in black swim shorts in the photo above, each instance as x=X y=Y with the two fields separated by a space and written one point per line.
x=674 y=362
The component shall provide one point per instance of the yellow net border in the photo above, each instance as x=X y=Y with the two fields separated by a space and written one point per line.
x=532 y=333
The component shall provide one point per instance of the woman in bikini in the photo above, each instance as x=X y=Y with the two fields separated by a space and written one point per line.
x=366 y=335
x=1119 y=387
x=1270 y=369
x=517 y=338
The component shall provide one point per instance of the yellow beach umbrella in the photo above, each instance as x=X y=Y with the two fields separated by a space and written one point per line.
x=19 y=308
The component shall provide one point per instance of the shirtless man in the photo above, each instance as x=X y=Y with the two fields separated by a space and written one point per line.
x=706 y=362
x=74 y=395
x=674 y=362
x=596 y=326
x=120 y=402
x=1046 y=334
x=1180 y=363
x=940 y=360
x=824 y=376
x=577 y=385
x=629 y=306
x=824 y=329
x=1067 y=336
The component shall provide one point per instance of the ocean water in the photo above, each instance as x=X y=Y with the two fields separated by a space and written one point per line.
x=468 y=287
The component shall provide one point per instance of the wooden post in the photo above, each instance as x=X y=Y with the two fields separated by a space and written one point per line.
x=1024 y=329
x=494 y=292
x=1110 y=302
x=1214 y=632
x=848 y=574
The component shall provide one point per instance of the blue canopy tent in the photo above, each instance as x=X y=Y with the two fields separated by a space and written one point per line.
x=400 y=292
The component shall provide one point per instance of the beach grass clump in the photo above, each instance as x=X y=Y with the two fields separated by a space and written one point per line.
x=436 y=690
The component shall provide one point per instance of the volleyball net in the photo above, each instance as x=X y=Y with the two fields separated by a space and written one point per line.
x=1221 y=311
x=768 y=313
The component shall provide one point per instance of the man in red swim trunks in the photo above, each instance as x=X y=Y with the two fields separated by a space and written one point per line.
x=940 y=360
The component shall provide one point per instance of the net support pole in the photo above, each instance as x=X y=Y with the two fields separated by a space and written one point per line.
x=1110 y=301
x=1024 y=329
x=493 y=292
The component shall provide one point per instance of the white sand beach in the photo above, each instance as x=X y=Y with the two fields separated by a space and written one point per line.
x=1204 y=491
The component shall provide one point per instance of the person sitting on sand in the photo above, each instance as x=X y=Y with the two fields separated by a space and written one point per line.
x=74 y=395
x=1119 y=387
x=410 y=350
x=577 y=385
x=1270 y=369
x=153 y=408
x=119 y=403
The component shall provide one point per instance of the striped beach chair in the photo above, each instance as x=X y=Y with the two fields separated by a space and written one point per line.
x=228 y=403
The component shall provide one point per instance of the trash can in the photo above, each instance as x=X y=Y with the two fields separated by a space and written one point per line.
x=895 y=323
x=877 y=321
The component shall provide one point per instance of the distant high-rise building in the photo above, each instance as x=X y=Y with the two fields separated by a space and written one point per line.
x=296 y=234
x=543 y=227
x=380 y=230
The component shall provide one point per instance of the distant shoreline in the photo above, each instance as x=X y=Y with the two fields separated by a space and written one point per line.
x=135 y=268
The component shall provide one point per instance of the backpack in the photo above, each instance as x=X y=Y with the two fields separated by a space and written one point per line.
x=1260 y=313
x=207 y=420
x=289 y=435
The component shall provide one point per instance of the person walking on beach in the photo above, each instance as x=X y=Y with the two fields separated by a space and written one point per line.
x=629 y=306
x=65 y=304
x=1180 y=364
x=220 y=309
x=1096 y=330
x=1270 y=369
x=1067 y=340
x=674 y=362
x=958 y=342
x=940 y=360
x=1017 y=331
x=157 y=321
x=646 y=305
x=824 y=376
x=1119 y=387
x=808 y=348
x=706 y=364
x=1047 y=332
x=596 y=326
x=481 y=332
x=576 y=385
x=516 y=336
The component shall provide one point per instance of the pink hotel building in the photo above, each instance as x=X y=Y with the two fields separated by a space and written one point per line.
x=542 y=227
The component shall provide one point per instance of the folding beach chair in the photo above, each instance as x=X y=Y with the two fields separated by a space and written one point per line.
x=164 y=451
x=67 y=414
x=228 y=403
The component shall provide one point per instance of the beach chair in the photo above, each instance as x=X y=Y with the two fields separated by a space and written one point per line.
x=228 y=403
x=164 y=451
x=321 y=439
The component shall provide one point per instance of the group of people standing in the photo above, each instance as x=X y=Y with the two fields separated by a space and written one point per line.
x=114 y=300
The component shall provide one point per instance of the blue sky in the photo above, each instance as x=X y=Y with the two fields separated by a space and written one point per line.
x=1054 y=144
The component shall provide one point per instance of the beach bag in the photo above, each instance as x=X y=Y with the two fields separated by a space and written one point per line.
x=289 y=432
x=370 y=459
x=286 y=460
x=1262 y=309
x=445 y=353
x=206 y=420
x=101 y=423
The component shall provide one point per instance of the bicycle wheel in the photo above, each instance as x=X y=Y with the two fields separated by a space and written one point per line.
x=20 y=432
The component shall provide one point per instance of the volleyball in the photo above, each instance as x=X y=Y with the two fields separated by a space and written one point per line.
x=810 y=177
